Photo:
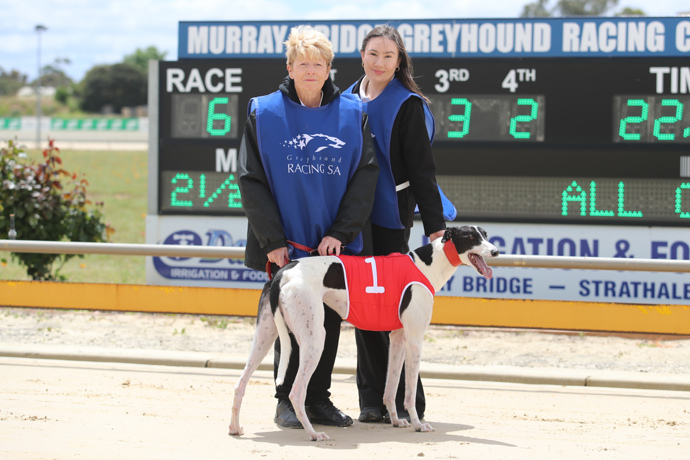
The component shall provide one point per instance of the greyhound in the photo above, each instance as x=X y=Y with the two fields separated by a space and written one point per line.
x=352 y=287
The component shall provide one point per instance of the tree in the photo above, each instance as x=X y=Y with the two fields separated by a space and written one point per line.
x=141 y=57
x=584 y=7
x=10 y=82
x=118 y=85
x=540 y=8
x=630 y=12
x=55 y=77
x=536 y=10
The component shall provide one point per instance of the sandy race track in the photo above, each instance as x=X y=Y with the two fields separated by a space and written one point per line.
x=67 y=409
x=63 y=410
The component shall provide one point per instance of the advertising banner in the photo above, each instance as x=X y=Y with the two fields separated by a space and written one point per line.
x=507 y=283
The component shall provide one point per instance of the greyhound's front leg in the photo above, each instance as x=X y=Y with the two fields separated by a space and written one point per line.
x=413 y=357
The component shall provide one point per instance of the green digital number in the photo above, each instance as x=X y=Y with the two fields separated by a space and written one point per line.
x=524 y=118
x=679 y=116
x=679 y=200
x=630 y=119
x=202 y=186
x=464 y=118
x=233 y=193
x=181 y=177
x=213 y=116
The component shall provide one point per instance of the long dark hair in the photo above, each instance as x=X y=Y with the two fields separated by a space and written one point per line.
x=406 y=72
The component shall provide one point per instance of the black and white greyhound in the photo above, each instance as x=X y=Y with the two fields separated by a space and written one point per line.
x=294 y=303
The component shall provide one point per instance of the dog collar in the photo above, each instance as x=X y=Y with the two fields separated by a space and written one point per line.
x=451 y=253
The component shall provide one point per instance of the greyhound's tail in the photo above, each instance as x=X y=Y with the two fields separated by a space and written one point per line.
x=285 y=346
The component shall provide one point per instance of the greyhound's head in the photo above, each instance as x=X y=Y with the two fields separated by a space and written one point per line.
x=469 y=245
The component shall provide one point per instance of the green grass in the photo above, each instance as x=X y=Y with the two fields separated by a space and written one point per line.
x=15 y=106
x=119 y=180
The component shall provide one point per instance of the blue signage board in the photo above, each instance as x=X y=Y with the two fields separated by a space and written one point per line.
x=456 y=38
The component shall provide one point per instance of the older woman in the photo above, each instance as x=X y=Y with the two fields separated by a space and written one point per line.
x=403 y=127
x=307 y=174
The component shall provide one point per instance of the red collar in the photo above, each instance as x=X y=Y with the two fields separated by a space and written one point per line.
x=451 y=253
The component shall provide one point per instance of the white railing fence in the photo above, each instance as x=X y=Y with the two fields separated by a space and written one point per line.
x=165 y=250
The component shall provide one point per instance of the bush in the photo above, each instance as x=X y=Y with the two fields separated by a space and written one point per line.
x=62 y=95
x=49 y=204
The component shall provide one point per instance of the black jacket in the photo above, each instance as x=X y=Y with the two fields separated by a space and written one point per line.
x=265 y=233
x=412 y=159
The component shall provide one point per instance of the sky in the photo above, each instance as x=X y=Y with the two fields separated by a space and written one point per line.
x=91 y=32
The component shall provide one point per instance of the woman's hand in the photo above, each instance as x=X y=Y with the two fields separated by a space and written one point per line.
x=436 y=235
x=279 y=256
x=329 y=246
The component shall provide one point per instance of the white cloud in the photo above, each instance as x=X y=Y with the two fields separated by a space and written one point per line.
x=91 y=33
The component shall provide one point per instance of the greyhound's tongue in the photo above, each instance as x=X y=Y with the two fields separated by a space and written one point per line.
x=481 y=266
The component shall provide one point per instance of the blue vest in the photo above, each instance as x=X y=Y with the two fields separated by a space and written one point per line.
x=309 y=156
x=382 y=112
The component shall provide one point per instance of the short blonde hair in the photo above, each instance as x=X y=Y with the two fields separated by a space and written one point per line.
x=307 y=42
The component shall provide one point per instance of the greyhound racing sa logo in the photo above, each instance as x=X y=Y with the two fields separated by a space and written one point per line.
x=205 y=269
x=313 y=154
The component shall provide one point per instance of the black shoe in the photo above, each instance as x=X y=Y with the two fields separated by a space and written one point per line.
x=325 y=413
x=285 y=415
x=371 y=414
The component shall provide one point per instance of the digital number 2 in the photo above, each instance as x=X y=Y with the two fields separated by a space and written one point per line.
x=524 y=118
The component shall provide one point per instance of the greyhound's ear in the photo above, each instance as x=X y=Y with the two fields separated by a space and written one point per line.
x=448 y=234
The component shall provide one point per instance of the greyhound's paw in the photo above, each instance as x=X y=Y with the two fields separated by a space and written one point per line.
x=424 y=427
x=400 y=423
x=320 y=436
x=236 y=431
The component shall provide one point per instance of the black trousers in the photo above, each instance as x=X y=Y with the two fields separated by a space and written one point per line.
x=372 y=346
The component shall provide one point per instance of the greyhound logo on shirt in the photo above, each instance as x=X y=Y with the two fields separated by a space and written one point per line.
x=322 y=142
x=303 y=159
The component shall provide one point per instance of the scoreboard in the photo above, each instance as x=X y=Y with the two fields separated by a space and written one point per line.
x=586 y=138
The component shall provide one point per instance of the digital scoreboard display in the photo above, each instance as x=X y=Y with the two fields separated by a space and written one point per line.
x=557 y=140
x=203 y=116
x=488 y=117
x=664 y=119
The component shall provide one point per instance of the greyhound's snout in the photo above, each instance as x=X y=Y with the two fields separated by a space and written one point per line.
x=495 y=253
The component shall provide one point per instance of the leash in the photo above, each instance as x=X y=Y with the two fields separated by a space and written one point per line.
x=448 y=248
x=451 y=253
x=301 y=247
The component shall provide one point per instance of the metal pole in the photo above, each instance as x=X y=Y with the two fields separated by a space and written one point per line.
x=592 y=263
x=12 y=234
x=157 y=250
x=39 y=28
x=230 y=252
